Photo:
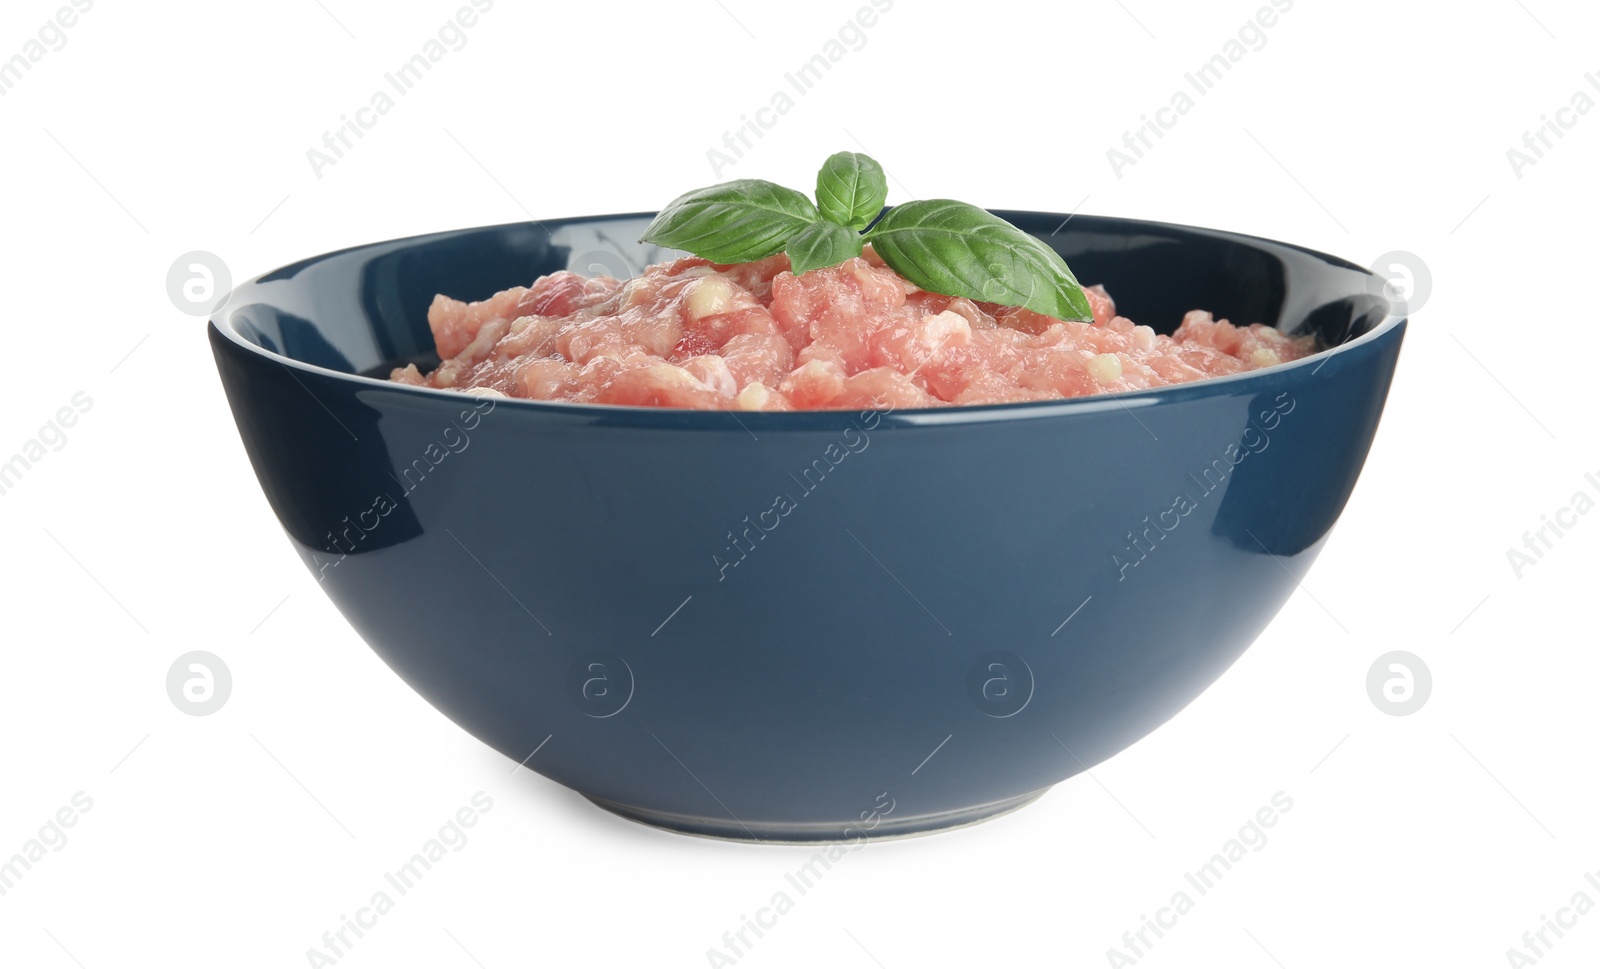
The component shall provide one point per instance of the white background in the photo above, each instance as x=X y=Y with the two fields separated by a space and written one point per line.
x=238 y=838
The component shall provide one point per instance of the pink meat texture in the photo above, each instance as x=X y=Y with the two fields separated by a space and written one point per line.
x=754 y=336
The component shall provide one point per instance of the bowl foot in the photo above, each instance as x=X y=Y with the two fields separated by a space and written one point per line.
x=816 y=832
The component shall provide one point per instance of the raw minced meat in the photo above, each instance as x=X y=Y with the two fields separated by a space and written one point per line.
x=754 y=336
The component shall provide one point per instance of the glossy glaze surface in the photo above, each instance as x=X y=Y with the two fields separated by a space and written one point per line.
x=624 y=586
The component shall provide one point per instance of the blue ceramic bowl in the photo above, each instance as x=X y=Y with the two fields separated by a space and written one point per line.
x=818 y=626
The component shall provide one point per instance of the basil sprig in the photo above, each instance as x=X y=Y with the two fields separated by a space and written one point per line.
x=941 y=245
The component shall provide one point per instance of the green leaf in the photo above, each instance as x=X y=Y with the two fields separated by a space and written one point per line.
x=735 y=221
x=958 y=249
x=851 y=188
x=822 y=244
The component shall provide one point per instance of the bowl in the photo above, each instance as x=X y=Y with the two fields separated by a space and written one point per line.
x=812 y=626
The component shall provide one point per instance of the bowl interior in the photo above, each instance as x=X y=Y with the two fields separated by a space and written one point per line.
x=310 y=312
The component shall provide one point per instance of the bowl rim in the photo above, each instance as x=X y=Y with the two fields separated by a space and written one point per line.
x=639 y=415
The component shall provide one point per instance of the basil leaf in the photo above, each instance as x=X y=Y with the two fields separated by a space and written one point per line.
x=822 y=244
x=958 y=249
x=851 y=188
x=732 y=222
